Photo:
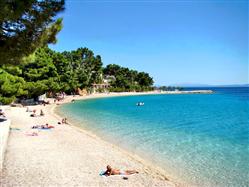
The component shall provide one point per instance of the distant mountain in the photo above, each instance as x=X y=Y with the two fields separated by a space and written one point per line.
x=190 y=85
x=208 y=85
x=234 y=85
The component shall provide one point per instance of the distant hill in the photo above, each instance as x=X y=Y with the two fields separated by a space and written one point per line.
x=234 y=85
x=208 y=85
x=191 y=85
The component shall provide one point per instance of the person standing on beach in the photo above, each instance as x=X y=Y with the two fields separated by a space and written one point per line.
x=42 y=113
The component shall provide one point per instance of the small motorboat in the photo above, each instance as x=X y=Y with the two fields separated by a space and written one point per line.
x=140 y=104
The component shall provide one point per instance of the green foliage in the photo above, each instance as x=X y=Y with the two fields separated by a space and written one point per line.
x=144 y=79
x=42 y=67
x=48 y=71
x=35 y=88
x=13 y=70
x=84 y=68
x=10 y=87
x=26 y=25
x=128 y=80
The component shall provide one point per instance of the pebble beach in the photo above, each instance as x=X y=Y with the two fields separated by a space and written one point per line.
x=67 y=155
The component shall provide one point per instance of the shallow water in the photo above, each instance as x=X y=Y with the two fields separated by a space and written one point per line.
x=199 y=139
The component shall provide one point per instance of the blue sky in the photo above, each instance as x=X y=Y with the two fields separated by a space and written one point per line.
x=175 y=41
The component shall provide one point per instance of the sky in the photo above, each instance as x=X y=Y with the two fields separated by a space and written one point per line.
x=176 y=42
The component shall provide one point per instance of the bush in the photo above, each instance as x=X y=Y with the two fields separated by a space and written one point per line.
x=7 y=100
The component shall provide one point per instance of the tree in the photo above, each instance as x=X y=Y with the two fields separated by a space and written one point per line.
x=86 y=67
x=128 y=80
x=41 y=74
x=49 y=71
x=11 y=87
x=26 y=25
x=96 y=70
x=144 y=79
x=111 y=69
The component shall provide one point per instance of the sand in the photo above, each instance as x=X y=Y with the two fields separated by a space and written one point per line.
x=67 y=155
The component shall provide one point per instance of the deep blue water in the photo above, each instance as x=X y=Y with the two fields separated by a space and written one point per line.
x=199 y=139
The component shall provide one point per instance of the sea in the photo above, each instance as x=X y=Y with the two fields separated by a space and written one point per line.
x=198 y=139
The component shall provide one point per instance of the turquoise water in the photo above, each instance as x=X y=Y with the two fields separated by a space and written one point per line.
x=200 y=140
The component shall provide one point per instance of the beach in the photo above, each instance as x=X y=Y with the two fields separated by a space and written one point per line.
x=75 y=154
x=135 y=94
x=67 y=155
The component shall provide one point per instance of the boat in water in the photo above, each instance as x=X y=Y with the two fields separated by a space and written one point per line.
x=140 y=104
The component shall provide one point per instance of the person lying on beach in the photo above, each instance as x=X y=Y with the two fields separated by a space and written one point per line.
x=47 y=126
x=35 y=127
x=111 y=171
x=42 y=126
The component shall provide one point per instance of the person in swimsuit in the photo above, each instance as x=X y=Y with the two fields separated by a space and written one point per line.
x=111 y=171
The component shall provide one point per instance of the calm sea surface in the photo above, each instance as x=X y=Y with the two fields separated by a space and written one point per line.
x=199 y=139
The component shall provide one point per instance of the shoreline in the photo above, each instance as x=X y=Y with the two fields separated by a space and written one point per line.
x=66 y=155
x=157 y=169
x=71 y=152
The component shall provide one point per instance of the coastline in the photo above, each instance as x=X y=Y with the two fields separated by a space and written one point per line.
x=80 y=153
x=65 y=155
x=160 y=172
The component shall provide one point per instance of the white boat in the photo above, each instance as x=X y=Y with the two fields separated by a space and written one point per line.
x=140 y=104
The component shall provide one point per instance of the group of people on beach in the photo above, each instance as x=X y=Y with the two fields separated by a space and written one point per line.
x=34 y=112
x=109 y=170
x=46 y=126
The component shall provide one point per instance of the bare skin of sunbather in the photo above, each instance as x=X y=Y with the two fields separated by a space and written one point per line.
x=111 y=171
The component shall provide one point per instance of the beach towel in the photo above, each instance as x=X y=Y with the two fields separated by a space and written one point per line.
x=17 y=129
x=44 y=128
x=102 y=173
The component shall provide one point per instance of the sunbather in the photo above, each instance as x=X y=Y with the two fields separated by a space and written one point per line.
x=47 y=126
x=111 y=171
x=36 y=127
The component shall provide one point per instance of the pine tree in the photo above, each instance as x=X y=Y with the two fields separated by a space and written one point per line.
x=26 y=25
